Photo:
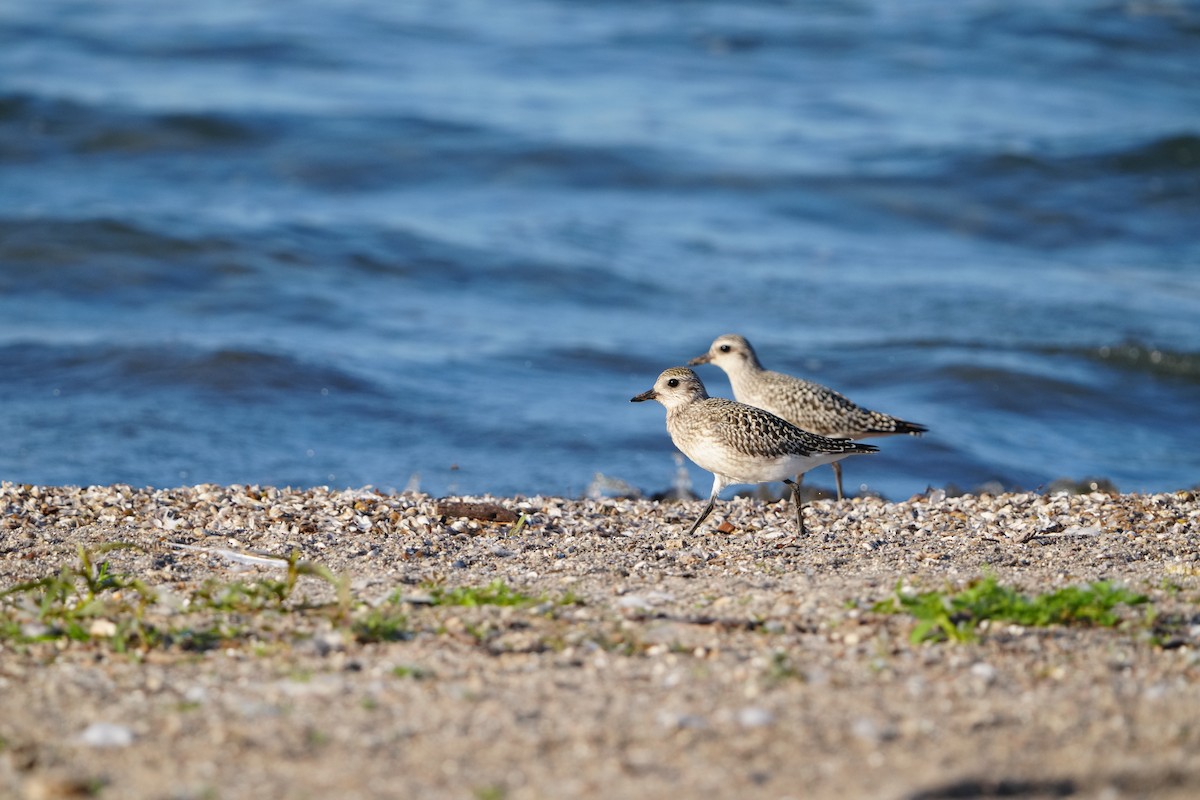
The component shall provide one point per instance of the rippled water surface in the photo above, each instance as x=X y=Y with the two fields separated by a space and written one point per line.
x=440 y=245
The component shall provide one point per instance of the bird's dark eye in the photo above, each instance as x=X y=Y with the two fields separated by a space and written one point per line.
x=673 y=382
x=725 y=348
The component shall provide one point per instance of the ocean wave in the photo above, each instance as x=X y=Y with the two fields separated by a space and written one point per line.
x=89 y=258
x=33 y=126
x=50 y=240
x=1169 y=157
x=1138 y=357
x=1169 y=153
x=136 y=368
x=1129 y=355
x=1048 y=199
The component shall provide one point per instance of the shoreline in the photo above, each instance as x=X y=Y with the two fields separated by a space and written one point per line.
x=632 y=661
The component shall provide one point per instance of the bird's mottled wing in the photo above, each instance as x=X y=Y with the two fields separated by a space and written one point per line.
x=759 y=433
x=822 y=410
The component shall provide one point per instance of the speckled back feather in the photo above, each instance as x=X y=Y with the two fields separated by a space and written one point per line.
x=751 y=431
x=806 y=404
x=820 y=409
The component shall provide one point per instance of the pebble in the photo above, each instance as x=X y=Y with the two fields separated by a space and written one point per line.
x=106 y=734
x=102 y=628
x=755 y=717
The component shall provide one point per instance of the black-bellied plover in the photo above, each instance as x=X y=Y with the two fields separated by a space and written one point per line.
x=805 y=404
x=739 y=443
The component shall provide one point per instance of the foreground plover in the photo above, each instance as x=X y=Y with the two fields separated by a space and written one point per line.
x=805 y=404
x=738 y=443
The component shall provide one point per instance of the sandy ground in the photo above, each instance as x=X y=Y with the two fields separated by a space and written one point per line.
x=738 y=662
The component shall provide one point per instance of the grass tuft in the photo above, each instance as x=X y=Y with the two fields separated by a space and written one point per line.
x=496 y=593
x=383 y=624
x=952 y=616
x=410 y=671
x=69 y=603
x=91 y=603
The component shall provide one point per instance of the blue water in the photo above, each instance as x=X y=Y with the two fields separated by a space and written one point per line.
x=439 y=245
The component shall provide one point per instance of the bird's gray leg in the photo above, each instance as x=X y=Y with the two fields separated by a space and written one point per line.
x=837 y=473
x=796 y=501
x=703 y=514
x=712 y=498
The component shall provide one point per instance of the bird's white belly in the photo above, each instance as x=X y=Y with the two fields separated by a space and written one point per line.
x=742 y=468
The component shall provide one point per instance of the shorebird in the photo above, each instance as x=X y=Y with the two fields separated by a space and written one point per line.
x=805 y=404
x=739 y=443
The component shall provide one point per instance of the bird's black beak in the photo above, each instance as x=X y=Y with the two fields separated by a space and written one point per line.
x=704 y=359
x=650 y=395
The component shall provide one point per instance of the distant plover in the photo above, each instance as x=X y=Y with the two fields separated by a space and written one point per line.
x=805 y=404
x=739 y=443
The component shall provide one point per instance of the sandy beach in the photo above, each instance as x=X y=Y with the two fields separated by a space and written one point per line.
x=257 y=643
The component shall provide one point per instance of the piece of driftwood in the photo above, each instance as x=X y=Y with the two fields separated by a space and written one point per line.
x=485 y=512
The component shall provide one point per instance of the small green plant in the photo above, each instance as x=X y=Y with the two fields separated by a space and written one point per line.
x=781 y=668
x=239 y=597
x=316 y=738
x=66 y=602
x=1170 y=587
x=90 y=602
x=569 y=598
x=383 y=624
x=200 y=640
x=954 y=616
x=408 y=671
x=269 y=593
x=518 y=526
x=496 y=593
